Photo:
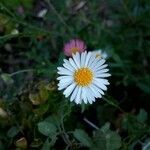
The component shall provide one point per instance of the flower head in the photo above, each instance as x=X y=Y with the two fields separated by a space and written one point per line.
x=82 y=77
x=73 y=46
x=100 y=54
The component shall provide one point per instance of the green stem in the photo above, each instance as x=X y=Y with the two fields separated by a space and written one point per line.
x=58 y=15
x=113 y=104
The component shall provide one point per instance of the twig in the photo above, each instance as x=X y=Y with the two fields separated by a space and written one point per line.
x=90 y=123
x=65 y=135
x=20 y=71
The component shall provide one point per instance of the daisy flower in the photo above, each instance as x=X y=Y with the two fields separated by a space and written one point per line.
x=82 y=78
x=73 y=46
x=100 y=54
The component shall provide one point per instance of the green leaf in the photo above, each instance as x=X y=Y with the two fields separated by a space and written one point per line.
x=106 y=139
x=46 y=128
x=49 y=143
x=144 y=87
x=12 y=132
x=42 y=109
x=105 y=128
x=54 y=119
x=131 y=124
x=83 y=137
x=46 y=145
x=99 y=141
x=113 y=140
x=7 y=78
x=142 y=116
x=1 y=146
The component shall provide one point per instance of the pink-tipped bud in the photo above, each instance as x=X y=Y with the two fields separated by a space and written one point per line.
x=73 y=46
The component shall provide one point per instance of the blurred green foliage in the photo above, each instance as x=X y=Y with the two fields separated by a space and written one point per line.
x=34 y=114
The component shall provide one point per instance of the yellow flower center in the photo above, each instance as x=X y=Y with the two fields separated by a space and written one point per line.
x=74 y=49
x=83 y=76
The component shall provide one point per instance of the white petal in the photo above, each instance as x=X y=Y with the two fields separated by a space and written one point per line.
x=87 y=58
x=68 y=66
x=59 y=68
x=76 y=58
x=64 y=71
x=102 y=71
x=101 y=67
x=103 y=75
x=72 y=63
x=99 y=63
x=83 y=58
x=100 y=84
x=78 y=97
x=64 y=85
x=63 y=77
x=74 y=93
x=67 y=79
x=98 y=89
x=104 y=81
x=86 y=95
x=94 y=63
x=95 y=91
x=89 y=96
x=83 y=96
x=91 y=60
x=92 y=94
x=104 y=55
x=69 y=90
